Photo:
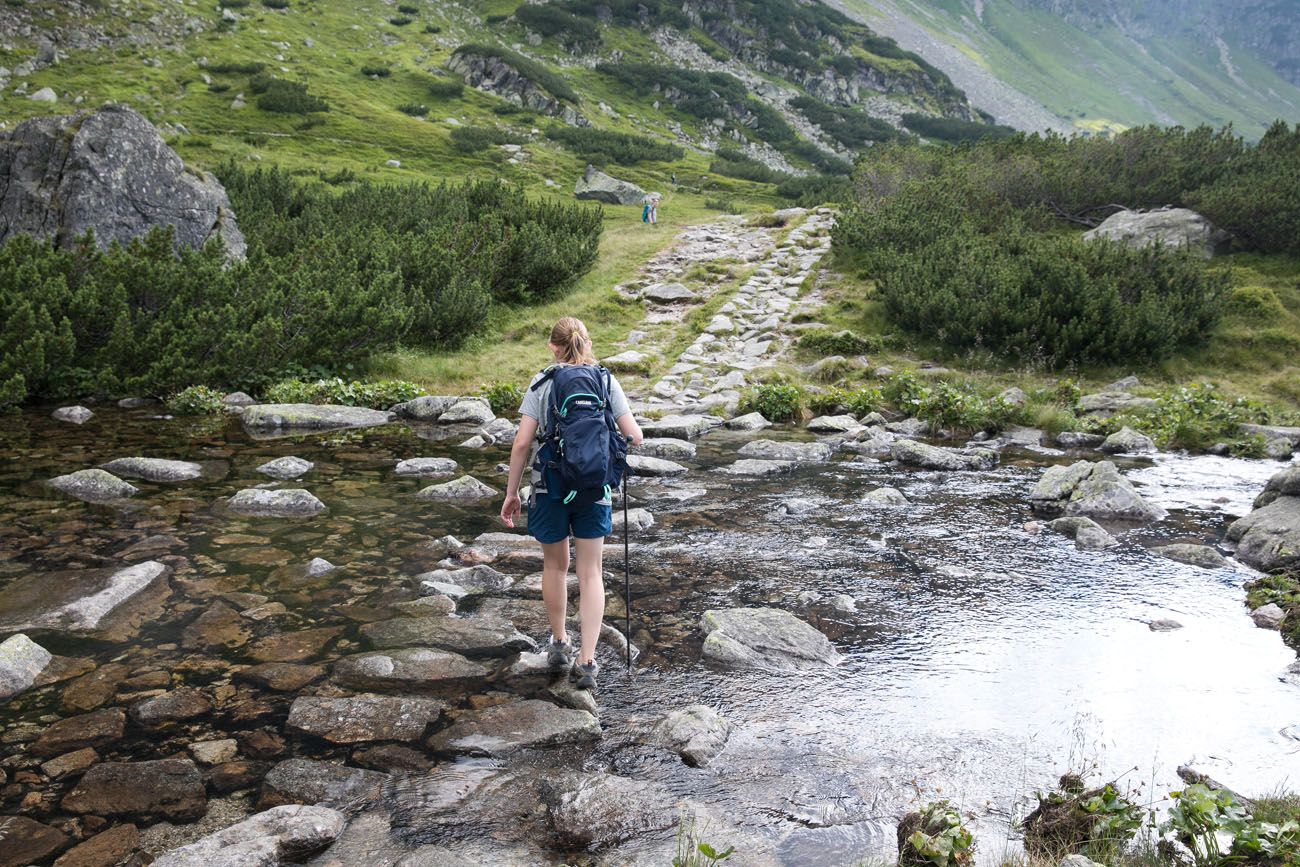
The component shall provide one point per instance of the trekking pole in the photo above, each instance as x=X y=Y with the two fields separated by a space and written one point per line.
x=627 y=581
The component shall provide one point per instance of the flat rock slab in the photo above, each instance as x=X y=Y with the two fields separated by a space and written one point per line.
x=93 y=486
x=765 y=638
x=470 y=580
x=154 y=469
x=593 y=811
x=73 y=414
x=833 y=424
x=668 y=448
x=668 y=293
x=280 y=676
x=310 y=416
x=749 y=421
x=286 y=833
x=427 y=467
x=285 y=468
x=682 y=427
x=25 y=841
x=757 y=467
x=426 y=408
x=1269 y=537
x=363 y=718
x=697 y=733
x=469 y=636
x=21 y=663
x=463 y=488
x=303 y=781
x=165 y=789
x=80 y=601
x=918 y=454
x=1193 y=555
x=293 y=646
x=470 y=410
x=408 y=669
x=776 y=450
x=507 y=728
x=96 y=729
x=284 y=503
x=177 y=705
x=644 y=465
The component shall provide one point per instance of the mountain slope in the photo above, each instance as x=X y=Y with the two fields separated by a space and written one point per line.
x=1101 y=65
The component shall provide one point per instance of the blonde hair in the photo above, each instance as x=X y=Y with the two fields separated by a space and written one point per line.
x=570 y=335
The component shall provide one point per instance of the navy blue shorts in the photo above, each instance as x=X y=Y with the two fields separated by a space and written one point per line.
x=552 y=521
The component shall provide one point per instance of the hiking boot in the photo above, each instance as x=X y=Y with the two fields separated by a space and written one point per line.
x=584 y=676
x=558 y=653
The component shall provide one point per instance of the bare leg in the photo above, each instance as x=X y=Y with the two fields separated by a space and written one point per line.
x=555 y=594
x=591 y=605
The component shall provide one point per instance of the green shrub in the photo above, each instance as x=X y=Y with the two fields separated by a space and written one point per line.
x=276 y=4
x=936 y=837
x=622 y=148
x=1098 y=822
x=850 y=127
x=375 y=395
x=1257 y=198
x=731 y=163
x=726 y=206
x=812 y=190
x=1196 y=417
x=530 y=69
x=196 y=400
x=496 y=18
x=552 y=21
x=240 y=68
x=376 y=70
x=856 y=402
x=503 y=397
x=218 y=87
x=777 y=401
x=342 y=176
x=826 y=342
x=446 y=88
x=1255 y=303
x=400 y=20
x=408 y=9
x=233 y=4
x=432 y=28
x=260 y=82
x=953 y=130
x=413 y=109
x=289 y=97
x=473 y=139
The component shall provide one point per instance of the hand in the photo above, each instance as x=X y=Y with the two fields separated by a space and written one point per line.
x=510 y=509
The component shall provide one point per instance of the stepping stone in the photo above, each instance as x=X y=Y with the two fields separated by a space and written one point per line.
x=458 y=583
x=285 y=503
x=363 y=718
x=463 y=488
x=668 y=293
x=409 y=669
x=472 y=410
x=426 y=408
x=667 y=448
x=918 y=454
x=757 y=467
x=285 y=468
x=696 y=733
x=774 y=450
x=310 y=416
x=505 y=729
x=885 y=496
x=1193 y=555
x=469 y=636
x=154 y=469
x=644 y=465
x=682 y=427
x=749 y=421
x=833 y=424
x=283 y=834
x=93 y=486
x=765 y=638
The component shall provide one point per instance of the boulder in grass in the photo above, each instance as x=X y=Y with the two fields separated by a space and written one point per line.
x=668 y=293
x=154 y=469
x=284 y=834
x=283 y=503
x=93 y=486
x=463 y=488
x=1170 y=227
x=765 y=638
x=596 y=186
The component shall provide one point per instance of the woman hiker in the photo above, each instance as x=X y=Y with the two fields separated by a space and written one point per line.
x=552 y=521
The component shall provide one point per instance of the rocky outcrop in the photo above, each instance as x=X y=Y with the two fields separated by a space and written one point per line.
x=596 y=186
x=492 y=73
x=1269 y=537
x=108 y=172
x=1092 y=490
x=1173 y=227
x=764 y=638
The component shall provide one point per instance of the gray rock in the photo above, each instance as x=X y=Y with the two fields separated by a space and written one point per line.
x=1269 y=537
x=1279 y=448
x=425 y=467
x=1079 y=440
x=629 y=359
x=596 y=186
x=493 y=74
x=504 y=729
x=471 y=636
x=597 y=810
x=682 y=427
x=1077 y=860
x=1268 y=616
x=885 y=496
x=775 y=450
x=1071 y=526
x=472 y=579
x=667 y=448
x=93 y=486
x=637 y=520
x=469 y=410
x=264 y=417
x=1124 y=383
x=880 y=446
x=796 y=506
x=45 y=94
x=833 y=424
x=303 y=781
x=285 y=468
x=409 y=669
x=165 y=789
x=283 y=503
x=1193 y=555
x=909 y=427
x=108 y=171
x=644 y=465
x=1092 y=490
x=918 y=454
x=74 y=414
x=426 y=408
x=668 y=293
x=749 y=421
x=237 y=400
x=757 y=467
x=284 y=834
x=154 y=469
x=175 y=705
x=1106 y=403
x=214 y=752
x=21 y=662
x=1013 y=397
x=1173 y=227
x=1128 y=441
x=363 y=718
x=1164 y=624
x=85 y=600
x=1093 y=539
x=697 y=733
x=463 y=488
x=764 y=638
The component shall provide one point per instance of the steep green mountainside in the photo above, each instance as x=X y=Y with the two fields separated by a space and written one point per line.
x=488 y=88
x=1085 y=65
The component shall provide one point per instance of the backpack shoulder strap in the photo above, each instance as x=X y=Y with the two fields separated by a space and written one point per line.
x=547 y=374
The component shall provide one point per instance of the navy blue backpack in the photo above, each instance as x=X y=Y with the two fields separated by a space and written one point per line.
x=582 y=456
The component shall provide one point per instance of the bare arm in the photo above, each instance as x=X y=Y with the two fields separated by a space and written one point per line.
x=519 y=452
x=629 y=428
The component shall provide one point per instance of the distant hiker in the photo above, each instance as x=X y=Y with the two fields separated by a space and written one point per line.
x=674 y=179
x=645 y=212
x=654 y=210
x=571 y=419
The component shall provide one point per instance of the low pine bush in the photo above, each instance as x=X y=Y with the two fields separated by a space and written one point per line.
x=374 y=395
x=601 y=146
x=413 y=109
x=376 y=70
x=474 y=139
x=408 y=9
x=195 y=400
x=777 y=401
x=289 y=97
x=552 y=21
x=400 y=20
x=446 y=88
x=276 y=4
x=226 y=68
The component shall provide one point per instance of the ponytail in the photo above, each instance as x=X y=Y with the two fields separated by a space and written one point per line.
x=570 y=335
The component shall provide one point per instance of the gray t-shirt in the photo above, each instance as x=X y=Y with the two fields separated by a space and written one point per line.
x=537 y=403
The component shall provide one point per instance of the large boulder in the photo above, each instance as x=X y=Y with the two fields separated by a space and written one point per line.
x=507 y=728
x=1107 y=403
x=162 y=789
x=281 y=834
x=1269 y=537
x=109 y=172
x=270 y=417
x=1127 y=441
x=682 y=427
x=914 y=453
x=596 y=186
x=464 y=488
x=93 y=486
x=765 y=638
x=81 y=600
x=1283 y=484
x=778 y=450
x=1091 y=490
x=1172 y=227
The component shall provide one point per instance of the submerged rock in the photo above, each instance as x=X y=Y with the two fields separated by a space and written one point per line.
x=303 y=781
x=885 y=496
x=281 y=834
x=176 y=705
x=154 y=469
x=26 y=841
x=913 y=453
x=457 y=583
x=79 y=601
x=96 y=729
x=263 y=417
x=463 y=488
x=21 y=662
x=1193 y=555
x=597 y=810
x=280 y=676
x=285 y=468
x=93 y=486
x=596 y=186
x=363 y=718
x=165 y=789
x=283 y=503
x=507 y=728
x=764 y=638
x=409 y=669
x=1164 y=624
x=697 y=733
x=797 y=452
x=470 y=636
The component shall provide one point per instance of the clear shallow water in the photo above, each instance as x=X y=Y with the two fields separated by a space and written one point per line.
x=980 y=663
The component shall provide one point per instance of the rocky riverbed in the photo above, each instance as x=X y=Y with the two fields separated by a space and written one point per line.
x=830 y=629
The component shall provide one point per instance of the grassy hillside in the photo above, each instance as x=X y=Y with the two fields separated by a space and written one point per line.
x=1100 y=78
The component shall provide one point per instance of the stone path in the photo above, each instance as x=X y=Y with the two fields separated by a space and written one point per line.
x=750 y=330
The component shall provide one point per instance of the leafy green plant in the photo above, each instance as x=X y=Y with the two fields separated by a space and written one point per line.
x=375 y=395
x=195 y=400
x=692 y=852
x=1198 y=815
x=856 y=402
x=503 y=397
x=777 y=401
x=937 y=838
